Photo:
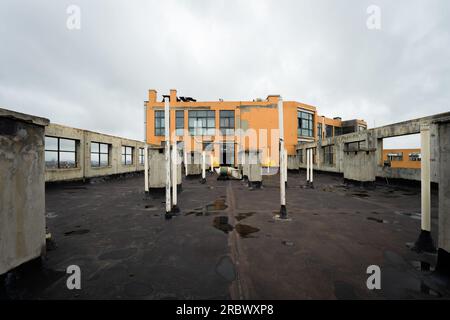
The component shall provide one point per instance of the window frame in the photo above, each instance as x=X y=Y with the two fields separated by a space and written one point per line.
x=59 y=151
x=227 y=129
x=161 y=126
x=210 y=115
x=99 y=153
x=303 y=115
x=127 y=151
x=179 y=127
x=141 y=156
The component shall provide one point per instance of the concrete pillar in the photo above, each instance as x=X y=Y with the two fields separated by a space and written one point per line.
x=283 y=211
x=175 y=208
x=443 y=261
x=185 y=164
x=307 y=165
x=203 y=167
x=425 y=242
x=311 y=166
x=167 y=158
x=146 y=168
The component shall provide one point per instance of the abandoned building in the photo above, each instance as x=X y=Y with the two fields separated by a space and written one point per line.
x=60 y=204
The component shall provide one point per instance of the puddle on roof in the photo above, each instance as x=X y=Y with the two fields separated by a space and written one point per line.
x=377 y=220
x=215 y=207
x=244 y=215
x=245 y=231
x=76 y=232
x=221 y=223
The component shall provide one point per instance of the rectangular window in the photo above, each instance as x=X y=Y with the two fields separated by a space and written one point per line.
x=141 y=156
x=159 y=123
x=305 y=124
x=319 y=132
x=99 y=154
x=60 y=153
x=328 y=131
x=202 y=123
x=227 y=122
x=300 y=155
x=414 y=156
x=395 y=156
x=127 y=155
x=208 y=146
x=179 y=122
x=337 y=131
x=328 y=155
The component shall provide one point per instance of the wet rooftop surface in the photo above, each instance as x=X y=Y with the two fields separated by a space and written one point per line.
x=226 y=244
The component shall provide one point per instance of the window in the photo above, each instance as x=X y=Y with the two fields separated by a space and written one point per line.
x=415 y=156
x=159 y=123
x=227 y=122
x=395 y=156
x=300 y=155
x=305 y=124
x=99 y=154
x=328 y=155
x=60 y=153
x=179 y=122
x=337 y=131
x=202 y=122
x=141 y=156
x=319 y=132
x=127 y=155
x=208 y=146
x=328 y=131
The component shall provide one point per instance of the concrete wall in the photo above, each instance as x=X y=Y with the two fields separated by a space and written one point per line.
x=83 y=147
x=157 y=168
x=366 y=162
x=444 y=185
x=22 y=189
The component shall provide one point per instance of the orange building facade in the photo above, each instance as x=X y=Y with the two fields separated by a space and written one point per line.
x=224 y=128
x=402 y=158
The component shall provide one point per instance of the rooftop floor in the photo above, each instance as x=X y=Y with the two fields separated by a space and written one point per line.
x=226 y=244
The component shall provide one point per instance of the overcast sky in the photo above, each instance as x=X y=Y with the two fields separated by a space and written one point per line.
x=317 y=52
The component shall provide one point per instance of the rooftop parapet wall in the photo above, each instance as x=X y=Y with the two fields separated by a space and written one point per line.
x=84 y=169
x=22 y=188
x=367 y=158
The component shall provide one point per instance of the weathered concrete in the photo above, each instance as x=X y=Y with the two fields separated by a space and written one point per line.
x=444 y=196
x=226 y=241
x=157 y=168
x=84 y=169
x=22 y=188
x=194 y=161
x=254 y=168
x=358 y=155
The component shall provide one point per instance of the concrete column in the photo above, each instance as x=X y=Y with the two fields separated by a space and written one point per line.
x=425 y=242
x=146 y=168
x=285 y=167
x=443 y=261
x=185 y=163
x=175 y=208
x=311 y=166
x=203 y=167
x=307 y=165
x=167 y=157
x=283 y=211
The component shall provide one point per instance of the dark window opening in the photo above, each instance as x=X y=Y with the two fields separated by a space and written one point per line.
x=305 y=124
x=227 y=122
x=179 y=122
x=159 y=123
